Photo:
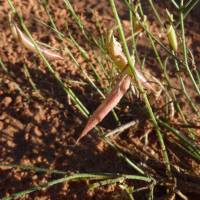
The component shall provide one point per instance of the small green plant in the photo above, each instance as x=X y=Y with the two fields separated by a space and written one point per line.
x=126 y=62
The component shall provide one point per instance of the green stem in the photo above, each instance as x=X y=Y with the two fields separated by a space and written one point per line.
x=148 y=106
x=75 y=177
x=133 y=37
x=33 y=168
x=155 y=39
x=4 y=68
x=185 y=50
x=189 y=6
x=195 y=109
x=76 y=17
x=77 y=102
x=28 y=76
x=168 y=81
x=156 y=13
x=175 y=4
x=189 y=145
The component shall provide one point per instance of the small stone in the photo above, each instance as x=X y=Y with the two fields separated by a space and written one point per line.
x=1 y=125
x=37 y=131
x=11 y=144
x=6 y=101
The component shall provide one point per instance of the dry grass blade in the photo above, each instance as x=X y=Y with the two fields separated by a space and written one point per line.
x=25 y=41
x=108 y=104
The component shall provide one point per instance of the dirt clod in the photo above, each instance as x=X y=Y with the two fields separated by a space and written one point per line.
x=6 y=101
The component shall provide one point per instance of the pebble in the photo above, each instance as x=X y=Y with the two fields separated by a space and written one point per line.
x=6 y=101
x=1 y=125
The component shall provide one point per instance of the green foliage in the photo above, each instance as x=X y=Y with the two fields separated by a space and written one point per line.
x=176 y=51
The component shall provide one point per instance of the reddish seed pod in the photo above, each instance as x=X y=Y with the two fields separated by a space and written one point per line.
x=107 y=105
x=25 y=41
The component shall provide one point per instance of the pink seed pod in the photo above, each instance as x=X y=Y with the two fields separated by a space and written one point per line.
x=107 y=105
x=20 y=36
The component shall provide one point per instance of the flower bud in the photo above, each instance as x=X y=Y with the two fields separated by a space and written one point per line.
x=115 y=51
x=171 y=35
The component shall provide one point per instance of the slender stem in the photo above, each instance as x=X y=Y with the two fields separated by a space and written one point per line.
x=155 y=39
x=28 y=76
x=91 y=81
x=156 y=13
x=33 y=168
x=67 y=90
x=175 y=4
x=76 y=17
x=4 y=68
x=168 y=82
x=105 y=182
x=76 y=177
x=133 y=37
x=141 y=89
x=84 y=55
x=124 y=157
x=184 y=90
x=12 y=6
x=55 y=75
x=185 y=50
x=120 y=129
x=189 y=145
x=175 y=101
x=189 y=6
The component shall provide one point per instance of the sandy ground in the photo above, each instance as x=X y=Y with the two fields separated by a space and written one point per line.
x=42 y=131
